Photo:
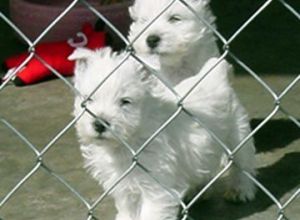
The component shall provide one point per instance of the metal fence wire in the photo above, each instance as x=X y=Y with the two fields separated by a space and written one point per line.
x=91 y=206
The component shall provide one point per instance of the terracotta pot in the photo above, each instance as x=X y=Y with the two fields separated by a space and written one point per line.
x=33 y=16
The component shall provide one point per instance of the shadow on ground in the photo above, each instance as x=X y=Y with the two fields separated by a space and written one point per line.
x=279 y=178
x=272 y=177
x=275 y=134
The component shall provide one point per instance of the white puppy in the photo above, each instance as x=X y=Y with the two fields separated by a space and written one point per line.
x=130 y=106
x=178 y=37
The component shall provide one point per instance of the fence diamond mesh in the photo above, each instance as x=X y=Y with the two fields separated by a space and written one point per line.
x=39 y=159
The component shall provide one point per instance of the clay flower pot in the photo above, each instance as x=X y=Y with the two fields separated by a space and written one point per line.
x=33 y=16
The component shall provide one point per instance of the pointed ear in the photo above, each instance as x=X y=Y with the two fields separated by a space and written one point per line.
x=81 y=54
x=144 y=73
x=132 y=13
x=202 y=2
x=202 y=5
x=147 y=78
x=148 y=69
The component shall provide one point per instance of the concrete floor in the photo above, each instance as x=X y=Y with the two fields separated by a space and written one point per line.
x=41 y=111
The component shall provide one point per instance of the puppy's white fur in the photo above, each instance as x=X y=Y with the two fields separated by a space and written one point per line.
x=184 y=156
x=185 y=42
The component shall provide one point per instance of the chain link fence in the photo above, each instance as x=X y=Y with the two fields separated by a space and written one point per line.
x=39 y=163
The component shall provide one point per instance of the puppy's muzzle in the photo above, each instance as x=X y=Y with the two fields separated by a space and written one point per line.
x=153 y=41
x=101 y=126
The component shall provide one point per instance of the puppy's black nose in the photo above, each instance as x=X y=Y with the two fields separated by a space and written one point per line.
x=153 y=41
x=100 y=127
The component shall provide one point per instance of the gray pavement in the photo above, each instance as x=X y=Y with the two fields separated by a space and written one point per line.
x=41 y=111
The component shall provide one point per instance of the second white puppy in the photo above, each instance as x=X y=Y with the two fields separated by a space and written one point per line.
x=129 y=107
x=181 y=41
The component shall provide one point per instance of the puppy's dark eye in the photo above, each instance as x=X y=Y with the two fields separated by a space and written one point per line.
x=174 y=18
x=125 y=102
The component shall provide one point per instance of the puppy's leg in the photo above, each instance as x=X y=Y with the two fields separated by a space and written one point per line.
x=239 y=186
x=123 y=216
x=166 y=208
x=128 y=205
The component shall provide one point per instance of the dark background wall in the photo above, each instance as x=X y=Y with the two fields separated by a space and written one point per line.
x=271 y=44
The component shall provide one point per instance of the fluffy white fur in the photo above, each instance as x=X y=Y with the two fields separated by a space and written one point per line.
x=133 y=105
x=185 y=43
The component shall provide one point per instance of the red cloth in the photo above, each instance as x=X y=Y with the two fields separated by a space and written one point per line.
x=55 y=54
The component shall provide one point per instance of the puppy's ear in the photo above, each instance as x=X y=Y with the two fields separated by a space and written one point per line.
x=202 y=2
x=145 y=74
x=81 y=54
x=132 y=13
x=147 y=78
x=199 y=5
x=148 y=69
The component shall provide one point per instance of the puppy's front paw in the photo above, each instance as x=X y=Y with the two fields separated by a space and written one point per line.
x=240 y=195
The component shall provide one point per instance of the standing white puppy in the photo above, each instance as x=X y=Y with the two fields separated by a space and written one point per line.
x=130 y=106
x=181 y=41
